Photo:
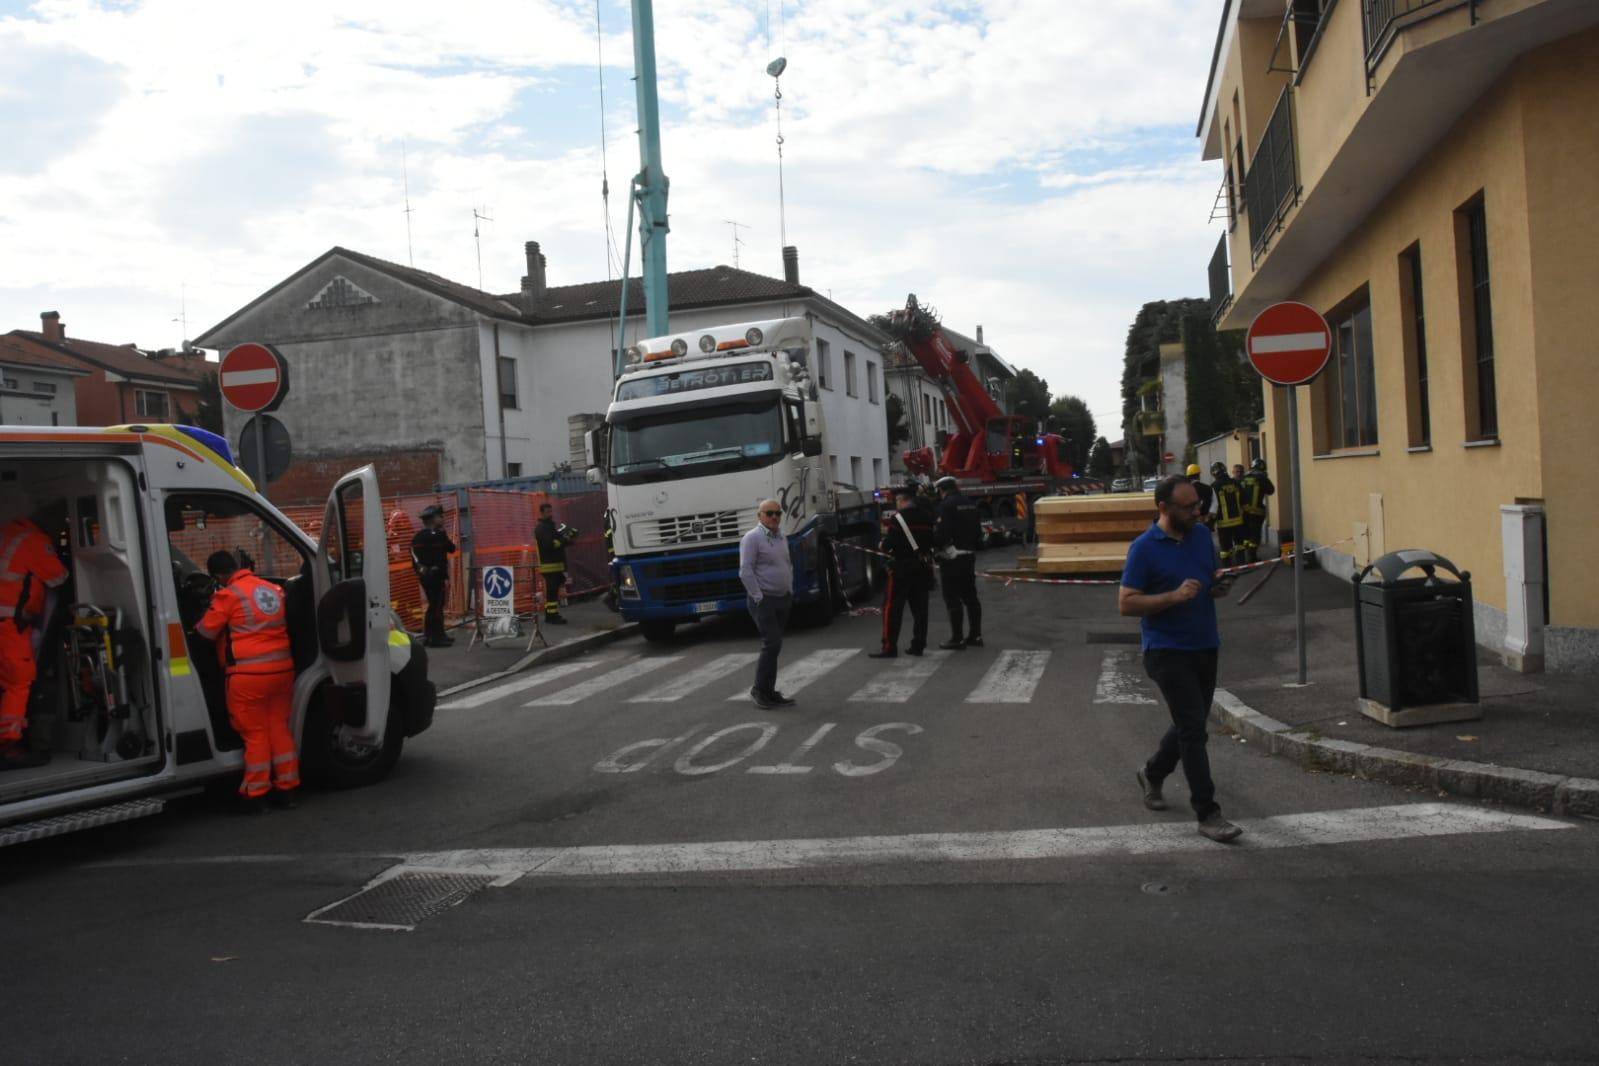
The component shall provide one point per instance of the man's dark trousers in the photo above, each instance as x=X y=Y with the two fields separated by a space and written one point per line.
x=1187 y=680
x=771 y=617
x=434 y=581
x=907 y=583
x=960 y=588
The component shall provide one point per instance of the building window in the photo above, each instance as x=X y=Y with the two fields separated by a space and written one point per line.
x=855 y=470
x=832 y=469
x=1413 y=313
x=9 y=383
x=871 y=381
x=150 y=404
x=1477 y=334
x=824 y=365
x=513 y=469
x=877 y=472
x=849 y=374
x=507 y=382
x=46 y=387
x=55 y=418
x=1348 y=390
x=1308 y=17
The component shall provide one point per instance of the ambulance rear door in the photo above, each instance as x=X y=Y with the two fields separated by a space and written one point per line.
x=353 y=615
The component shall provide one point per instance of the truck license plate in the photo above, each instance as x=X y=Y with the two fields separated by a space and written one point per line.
x=705 y=608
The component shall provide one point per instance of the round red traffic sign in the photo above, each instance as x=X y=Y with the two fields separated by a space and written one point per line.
x=1169 y=457
x=253 y=377
x=1288 y=343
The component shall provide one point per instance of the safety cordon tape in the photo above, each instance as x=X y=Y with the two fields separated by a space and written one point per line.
x=1226 y=571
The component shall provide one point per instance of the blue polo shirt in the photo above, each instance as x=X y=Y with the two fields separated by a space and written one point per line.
x=1157 y=563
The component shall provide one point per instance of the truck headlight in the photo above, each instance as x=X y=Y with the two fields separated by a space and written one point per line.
x=629 y=586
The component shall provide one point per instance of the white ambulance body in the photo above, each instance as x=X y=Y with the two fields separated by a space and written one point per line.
x=130 y=702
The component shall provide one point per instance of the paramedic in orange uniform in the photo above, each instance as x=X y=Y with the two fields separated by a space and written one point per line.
x=29 y=569
x=246 y=619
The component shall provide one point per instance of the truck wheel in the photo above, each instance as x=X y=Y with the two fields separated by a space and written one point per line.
x=831 y=598
x=655 y=630
x=328 y=758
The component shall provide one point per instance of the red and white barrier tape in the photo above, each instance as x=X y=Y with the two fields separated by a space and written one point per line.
x=1226 y=571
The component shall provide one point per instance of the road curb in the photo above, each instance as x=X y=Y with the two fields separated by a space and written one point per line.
x=1533 y=789
x=553 y=654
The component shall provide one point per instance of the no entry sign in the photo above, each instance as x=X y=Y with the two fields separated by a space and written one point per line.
x=253 y=377
x=1288 y=343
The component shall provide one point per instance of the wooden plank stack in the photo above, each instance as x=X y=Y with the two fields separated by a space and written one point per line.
x=1090 y=534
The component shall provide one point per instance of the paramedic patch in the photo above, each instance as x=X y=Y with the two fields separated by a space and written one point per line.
x=267 y=600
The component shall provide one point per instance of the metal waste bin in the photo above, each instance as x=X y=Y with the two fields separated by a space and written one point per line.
x=1415 y=635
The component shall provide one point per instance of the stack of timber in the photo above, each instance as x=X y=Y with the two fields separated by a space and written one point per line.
x=1090 y=534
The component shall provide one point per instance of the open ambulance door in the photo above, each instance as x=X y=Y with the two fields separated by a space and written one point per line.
x=353 y=615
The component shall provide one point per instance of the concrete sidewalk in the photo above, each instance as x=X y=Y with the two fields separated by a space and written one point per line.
x=1536 y=745
x=589 y=623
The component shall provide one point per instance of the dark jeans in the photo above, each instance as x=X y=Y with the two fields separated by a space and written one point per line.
x=907 y=584
x=434 y=584
x=771 y=616
x=1187 y=680
x=552 y=591
x=960 y=589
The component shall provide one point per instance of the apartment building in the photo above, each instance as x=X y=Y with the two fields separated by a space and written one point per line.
x=1426 y=174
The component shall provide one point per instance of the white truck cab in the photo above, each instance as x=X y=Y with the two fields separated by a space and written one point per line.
x=129 y=703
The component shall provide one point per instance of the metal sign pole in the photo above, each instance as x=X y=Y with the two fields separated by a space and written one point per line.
x=260 y=453
x=1299 y=526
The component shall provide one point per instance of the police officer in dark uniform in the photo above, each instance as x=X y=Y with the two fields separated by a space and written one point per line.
x=552 y=540
x=1229 y=515
x=957 y=534
x=909 y=541
x=431 y=549
x=1255 y=487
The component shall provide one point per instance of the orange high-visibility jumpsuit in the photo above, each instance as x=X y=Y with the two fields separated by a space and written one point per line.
x=27 y=568
x=247 y=615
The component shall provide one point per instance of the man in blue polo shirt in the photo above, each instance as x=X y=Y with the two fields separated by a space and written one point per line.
x=1169 y=581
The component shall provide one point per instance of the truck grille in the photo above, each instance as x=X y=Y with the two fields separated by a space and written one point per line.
x=727 y=588
x=690 y=528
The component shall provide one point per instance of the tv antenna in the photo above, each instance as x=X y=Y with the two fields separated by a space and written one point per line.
x=479 y=216
x=183 y=310
x=738 y=242
x=405 y=174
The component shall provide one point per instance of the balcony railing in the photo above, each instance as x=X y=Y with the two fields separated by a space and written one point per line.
x=1221 y=286
x=1385 y=18
x=1151 y=423
x=1272 y=185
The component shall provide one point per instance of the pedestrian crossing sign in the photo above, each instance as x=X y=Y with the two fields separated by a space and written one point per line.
x=499 y=592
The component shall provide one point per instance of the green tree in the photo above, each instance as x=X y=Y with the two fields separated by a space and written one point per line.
x=1029 y=395
x=1100 y=459
x=894 y=411
x=1070 y=417
x=208 y=413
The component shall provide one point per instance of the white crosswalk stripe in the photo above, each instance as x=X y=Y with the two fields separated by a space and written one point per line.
x=623 y=674
x=1012 y=679
x=798 y=674
x=696 y=679
x=1117 y=681
x=479 y=697
x=899 y=679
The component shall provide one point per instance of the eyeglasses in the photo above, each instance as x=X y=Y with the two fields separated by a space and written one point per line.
x=772 y=514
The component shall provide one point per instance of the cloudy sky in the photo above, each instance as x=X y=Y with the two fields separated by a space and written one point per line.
x=1029 y=165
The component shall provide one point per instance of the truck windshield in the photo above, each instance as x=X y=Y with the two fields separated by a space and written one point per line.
x=691 y=442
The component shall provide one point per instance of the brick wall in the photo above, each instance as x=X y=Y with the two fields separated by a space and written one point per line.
x=310 y=479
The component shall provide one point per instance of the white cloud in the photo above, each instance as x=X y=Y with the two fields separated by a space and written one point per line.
x=1024 y=164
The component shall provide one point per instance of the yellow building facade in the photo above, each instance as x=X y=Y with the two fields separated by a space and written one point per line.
x=1425 y=173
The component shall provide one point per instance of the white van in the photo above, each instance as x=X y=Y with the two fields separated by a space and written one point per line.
x=129 y=703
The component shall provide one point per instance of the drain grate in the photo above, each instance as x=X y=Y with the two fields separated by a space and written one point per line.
x=400 y=902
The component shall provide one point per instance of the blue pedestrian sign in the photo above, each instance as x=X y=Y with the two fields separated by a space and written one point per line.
x=499 y=591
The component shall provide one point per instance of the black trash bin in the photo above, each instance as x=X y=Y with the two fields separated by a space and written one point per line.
x=1415 y=635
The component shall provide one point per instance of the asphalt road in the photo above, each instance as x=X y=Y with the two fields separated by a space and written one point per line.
x=935 y=861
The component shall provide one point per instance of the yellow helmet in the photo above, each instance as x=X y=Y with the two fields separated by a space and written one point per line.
x=1193 y=469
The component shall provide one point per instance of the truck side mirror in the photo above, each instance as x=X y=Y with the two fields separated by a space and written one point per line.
x=593 y=476
x=812 y=446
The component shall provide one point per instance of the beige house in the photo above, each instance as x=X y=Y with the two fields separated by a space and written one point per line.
x=1426 y=174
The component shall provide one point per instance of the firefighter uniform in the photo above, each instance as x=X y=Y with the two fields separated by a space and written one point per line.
x=1229 y=515
x=552 y=540
x=959 y=530
x=247 y=620
x=1207 y=498
x=910 y=577
x=431 y=549
x=1255 y=487
x=28 y=568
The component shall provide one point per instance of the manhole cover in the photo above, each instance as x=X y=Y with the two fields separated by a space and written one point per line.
x=1154 y=888
x=400 y=902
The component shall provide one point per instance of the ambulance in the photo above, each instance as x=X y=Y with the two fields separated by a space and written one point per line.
x=129 y=706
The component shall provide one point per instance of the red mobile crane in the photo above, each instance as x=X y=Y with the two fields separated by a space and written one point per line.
x=991 y=453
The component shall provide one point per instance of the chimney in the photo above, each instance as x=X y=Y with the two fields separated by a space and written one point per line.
x=979 y=334
x=51 y=326
x=791 y=264
x=533 y=281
